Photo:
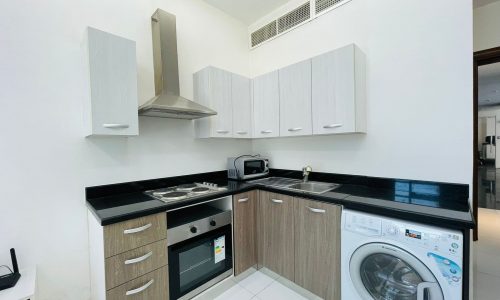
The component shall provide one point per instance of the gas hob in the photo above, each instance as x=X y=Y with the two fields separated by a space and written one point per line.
x=185 y=191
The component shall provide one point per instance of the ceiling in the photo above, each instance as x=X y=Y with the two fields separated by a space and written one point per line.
x=489 y=84
x=247 y=11
x=479 y=3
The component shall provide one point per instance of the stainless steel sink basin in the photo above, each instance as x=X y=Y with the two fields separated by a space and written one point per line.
x=313 y=187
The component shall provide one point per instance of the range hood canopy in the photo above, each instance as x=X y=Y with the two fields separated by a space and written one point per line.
x=168 y=103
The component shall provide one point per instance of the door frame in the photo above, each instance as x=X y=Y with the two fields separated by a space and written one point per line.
x=481 y=58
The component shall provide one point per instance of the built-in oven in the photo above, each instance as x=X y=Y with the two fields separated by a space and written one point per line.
x=200 y=250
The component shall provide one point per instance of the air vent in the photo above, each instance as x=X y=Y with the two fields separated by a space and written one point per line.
x=264 y=33
x=295 y=17
x=322 y=5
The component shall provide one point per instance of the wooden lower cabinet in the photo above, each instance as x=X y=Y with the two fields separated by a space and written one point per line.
x=245 y=227
x=152 y=286
x=317 y=247
x=275 y=221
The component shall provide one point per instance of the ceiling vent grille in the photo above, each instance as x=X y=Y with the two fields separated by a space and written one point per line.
x=295 y=17
x=264 y=33
x=322 y=5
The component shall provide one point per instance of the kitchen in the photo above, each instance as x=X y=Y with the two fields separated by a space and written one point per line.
x=50 y=156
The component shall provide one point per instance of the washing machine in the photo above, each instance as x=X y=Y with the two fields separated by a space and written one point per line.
x=392 y=259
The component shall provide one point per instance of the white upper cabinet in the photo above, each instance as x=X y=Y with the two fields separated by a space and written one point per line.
x=242 y=106
x=266 y=104
x=213 y=89
x=295 y=99
x=338 y=91
x=112 y=107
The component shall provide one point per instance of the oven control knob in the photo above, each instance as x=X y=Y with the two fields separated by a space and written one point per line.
x=193 y=229
x=213 y=223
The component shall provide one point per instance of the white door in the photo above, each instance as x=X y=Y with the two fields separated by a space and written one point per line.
x=295 y=99
x=333 y=92
x=242 y=106
x=220 y=84
x=113 y=84
x=383 y=271
x=266 y=101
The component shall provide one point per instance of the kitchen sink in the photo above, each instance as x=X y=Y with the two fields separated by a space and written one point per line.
x=313 y=187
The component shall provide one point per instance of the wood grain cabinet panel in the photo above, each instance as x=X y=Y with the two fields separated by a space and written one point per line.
x=152 y=286
x=317 y=247
x=276 y=234
x=123 y=236
x=245 y=226
x=134 y=263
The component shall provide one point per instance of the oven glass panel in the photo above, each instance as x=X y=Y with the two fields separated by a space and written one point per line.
x=254 y=167
x=198 y=260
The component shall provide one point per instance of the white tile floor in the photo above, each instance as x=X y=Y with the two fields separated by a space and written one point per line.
x=257 y=286
x=487 y=256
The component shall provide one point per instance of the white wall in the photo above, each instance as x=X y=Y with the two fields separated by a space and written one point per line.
x=45 y=162
x=419 y=90
x=486 y=24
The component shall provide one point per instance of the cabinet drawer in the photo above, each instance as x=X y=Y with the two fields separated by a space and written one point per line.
x=131 y=234
x=134 y=263
x=152 y=286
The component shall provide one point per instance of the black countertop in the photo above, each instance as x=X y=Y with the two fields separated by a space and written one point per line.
x=434 y=203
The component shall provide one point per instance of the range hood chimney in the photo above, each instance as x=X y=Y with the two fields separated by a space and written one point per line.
x=168 y=103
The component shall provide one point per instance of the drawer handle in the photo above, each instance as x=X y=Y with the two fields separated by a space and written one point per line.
x=332 y=126
x=115 y=126
x=138 y=259
x=277 y=201
x=138 y=229
x=295 y=129
x=243 y=200
x=266 y=131
x=138 y=290
x=222 y=131
x=316 y=210
x=241 y=132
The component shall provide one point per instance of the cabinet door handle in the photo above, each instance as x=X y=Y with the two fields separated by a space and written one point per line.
x=243 y=200
x=138 y=229
x=316 y=210
x=222 y=131
x=332 y=126
x=138 y=259
x=241 y=132
x=295 y=129
x=277 y=201
x=115 y=126
x=138 y=290
x=266 y=131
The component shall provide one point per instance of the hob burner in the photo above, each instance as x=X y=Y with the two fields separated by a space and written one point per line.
x=186 y=187
x=174 y=195
x=200 y=190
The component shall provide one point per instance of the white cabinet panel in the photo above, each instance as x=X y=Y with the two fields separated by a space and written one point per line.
x=338 y=91
x=242 y=106
x=266 y=105
x=112 y=107
x=213 y=89
x=295 y=99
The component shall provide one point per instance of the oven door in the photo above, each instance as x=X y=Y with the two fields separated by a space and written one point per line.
x=198 y=263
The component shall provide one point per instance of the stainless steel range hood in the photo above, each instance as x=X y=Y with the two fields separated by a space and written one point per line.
x=168 y=103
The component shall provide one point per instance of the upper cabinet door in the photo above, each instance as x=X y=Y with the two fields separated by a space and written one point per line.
x=338 y=92
x=212 y=88
x=242 y=106
x=220 y=83
x=266 y=103
x=295 y=99
x=113 y=85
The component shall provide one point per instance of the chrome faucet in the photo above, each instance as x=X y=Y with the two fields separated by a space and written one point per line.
x=305 y=172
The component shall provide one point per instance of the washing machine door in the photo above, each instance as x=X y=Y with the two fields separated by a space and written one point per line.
x=383 y=271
